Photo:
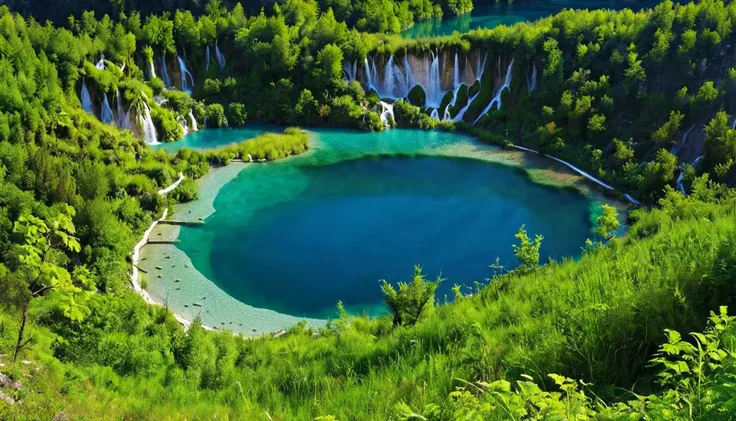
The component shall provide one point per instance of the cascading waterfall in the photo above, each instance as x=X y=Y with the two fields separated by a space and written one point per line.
x=219 y=57
x=497 y=97
x=679 y=182
x=351 y=71
x=207 y=58
x=123 y=120
x=681 y=143
x=85 y=98
x=183 y=123
x=106 y=114
x=480 y=67
x=164 y=72
x=186 y=86
x=193 y=121
x=146 y=123
x=533 y=81
x=100 y=65
x=386 y=111
x=151 y=69
x=433 y=91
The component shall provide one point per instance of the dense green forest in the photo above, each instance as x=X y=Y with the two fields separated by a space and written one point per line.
x=635 y=98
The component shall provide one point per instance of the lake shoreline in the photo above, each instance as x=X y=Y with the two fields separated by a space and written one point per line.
x=184 y=289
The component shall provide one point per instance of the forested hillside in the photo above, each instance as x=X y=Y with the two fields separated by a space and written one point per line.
x=641 y=100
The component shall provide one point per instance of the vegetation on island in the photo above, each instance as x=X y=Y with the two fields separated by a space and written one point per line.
x=604 y=336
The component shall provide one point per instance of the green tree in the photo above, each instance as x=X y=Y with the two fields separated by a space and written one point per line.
x=607 y=223
x=527 y=252
x=412 y=300
x=42 y=268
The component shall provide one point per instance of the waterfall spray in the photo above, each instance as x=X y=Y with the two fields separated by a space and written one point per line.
x=164 y=72
x=123 y=120
x=496 y=100
x=219 y=57
x=100 y=65
x=106 y=114
x=533 y=81
x=145 y=122
x=193 y=121
x=386 y=111
x=350 y=71
x=186 y=86
x=183 y=123
x=85 y=98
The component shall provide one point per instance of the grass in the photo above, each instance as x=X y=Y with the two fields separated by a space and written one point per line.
x=598 y=319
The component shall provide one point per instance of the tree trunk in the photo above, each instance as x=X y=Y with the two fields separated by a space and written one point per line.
x=20 y=343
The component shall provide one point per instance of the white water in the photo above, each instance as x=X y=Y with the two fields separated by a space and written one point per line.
x=207 y=58
x=193 y=121
x=100 y=65
x=85 y=98
x=146 y=124
x=164 y=72
x=106 y=114
x=386 y=111
x=533 y=81
x=680 y=177
x=679 y=145
x=496 y=100
x=183 y=123
x=123 y=120
x=435 y=114
x=219 y=57
x=186 y=86
x=351 y=71
x=151 y=70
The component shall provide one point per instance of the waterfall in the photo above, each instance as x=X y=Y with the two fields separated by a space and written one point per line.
x=183 y=72
x=434 y=91
x=85 y=98
x=679 y=145
x=146 y=123
x=409 y=75
x=100 y=65
x=435 y=114
x=386 y=111
x=106 y=114
x=151 y=70
x=679 y=183
x=123 y=120
x=456 y=74
x=204 y=126
x=193 y=121
x=183 y=123
x=250 y=158
x=533 y=81
x=351 y=71
x=219 y=57
x=496 y=100
x=164 y=73
x=207 y=58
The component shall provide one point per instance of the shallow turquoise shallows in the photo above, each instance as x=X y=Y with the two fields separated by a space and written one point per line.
x=213 y=138
x=300 y=234
x=490 y=14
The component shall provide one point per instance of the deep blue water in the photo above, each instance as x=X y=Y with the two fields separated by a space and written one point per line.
x=298 y=235
x=489 y=14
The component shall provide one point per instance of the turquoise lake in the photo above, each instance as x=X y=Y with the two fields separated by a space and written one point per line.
x=298 y=235
x=491 y=14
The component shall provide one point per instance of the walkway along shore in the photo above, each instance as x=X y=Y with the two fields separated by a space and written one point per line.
x=581 y=172
x=135 y=275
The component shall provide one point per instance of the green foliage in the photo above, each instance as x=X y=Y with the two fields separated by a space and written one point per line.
x=236 y=114
x=607 y=223
x=527 y=252
x=412 y=300
x=215 y=114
